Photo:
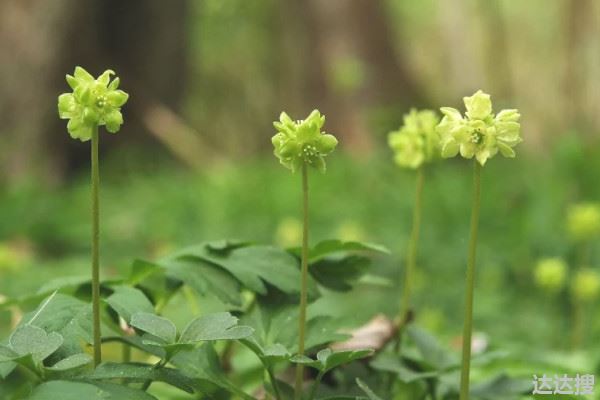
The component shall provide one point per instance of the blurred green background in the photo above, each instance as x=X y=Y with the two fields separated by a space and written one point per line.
x=193 y=161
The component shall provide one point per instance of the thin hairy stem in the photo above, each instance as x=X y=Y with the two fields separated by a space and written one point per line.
x=413 y=244
x=470 y=287
x=274 y=383
x=315 y=386
x=95 y=250
x=304 y=285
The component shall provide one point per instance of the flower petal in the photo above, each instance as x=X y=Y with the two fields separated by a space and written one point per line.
x=479 y=106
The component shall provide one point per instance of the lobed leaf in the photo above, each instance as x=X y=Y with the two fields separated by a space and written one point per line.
x=433 y=353
x=135 y=372
x=328 y=359
x=29 y=339
x=218 y=326
x=155 y=325
x=127 y=301
x=69 y=390
x=72 y=362
x=328 y=247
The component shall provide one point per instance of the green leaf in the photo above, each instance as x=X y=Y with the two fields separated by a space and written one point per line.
x=225 y=245
x=328 y=359
x=155 y=325
x=328 y=247
x=218 y=326
x=140 y=373
x=127 y=301
x=63 y=283
x=332 y=359
x=72 y=362
x=270 y=354
x=363 y=386
x=501 y=387
x=433 y=353
x=277 y=322
x=204 y=278
x=67 y=390
x=204 y=366
x=140 y=270
x=29 y=339
x=254 y=265
x=6 y=361
x=65 y=315
x=342 y=397
x=339 y=273
x=391 y=363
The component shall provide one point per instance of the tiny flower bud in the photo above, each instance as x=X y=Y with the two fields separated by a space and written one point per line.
x=550 y=274
x=586 y=285
x=583 y=221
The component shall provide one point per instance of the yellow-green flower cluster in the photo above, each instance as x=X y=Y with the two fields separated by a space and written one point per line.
x=480 y=133
x=93 y=103
x=550 y=274
x=583 y=221
x=585 y=285
x=417 y=141
x=302 y=142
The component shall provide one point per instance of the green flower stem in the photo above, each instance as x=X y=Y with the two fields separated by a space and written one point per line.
x=303 y=288
x=159 y=364
x=411 y=255
x=274 y=383
x=468 y=326
x=95 y=250
x=584 y=253
x=29 y=373
x=315 y=386
x=577 y=329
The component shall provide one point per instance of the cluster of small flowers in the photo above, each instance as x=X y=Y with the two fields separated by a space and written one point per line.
x=550 y=274
x=299 y=142
x=479 y=133
x=93 y=103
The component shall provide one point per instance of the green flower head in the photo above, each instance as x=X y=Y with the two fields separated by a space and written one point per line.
x=299 y=142
x=480 y=133
x=586 y=285
x=550 y=274
x=583 y=221
x=417 y=141
x=93 y=103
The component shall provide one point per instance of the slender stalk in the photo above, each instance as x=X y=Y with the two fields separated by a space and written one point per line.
x=411 y=255
x=159 y=364
x=303 y=288
x=315 y=386
x=584 y=252
x=95 y=250
x=274 y=383
x=468 y=324
x=578 y=328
